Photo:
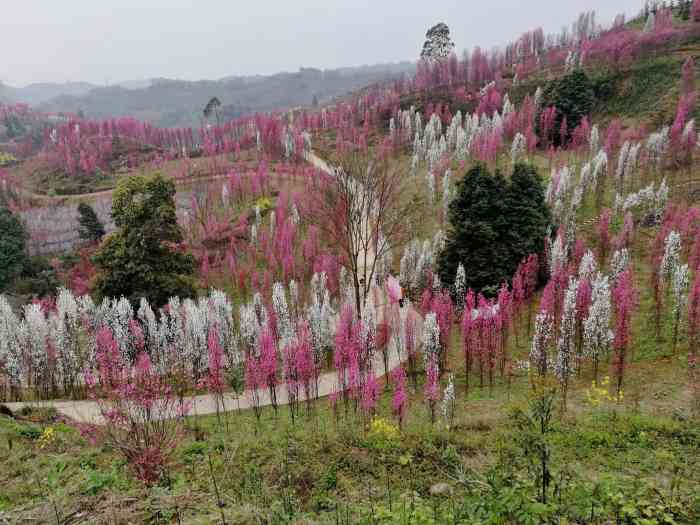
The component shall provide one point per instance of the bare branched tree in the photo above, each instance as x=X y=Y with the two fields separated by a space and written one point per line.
x=363 y=214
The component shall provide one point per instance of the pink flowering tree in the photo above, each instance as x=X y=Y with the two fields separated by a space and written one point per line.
x=468 y=335
x=214 y=380
x=143 y=419
x=431 y=390
x=694 y=341
x=624 y=298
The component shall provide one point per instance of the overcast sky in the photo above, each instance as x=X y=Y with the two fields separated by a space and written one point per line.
x=109 y=41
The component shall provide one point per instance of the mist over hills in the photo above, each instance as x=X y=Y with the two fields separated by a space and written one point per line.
x=37 y=93
x=176 y=103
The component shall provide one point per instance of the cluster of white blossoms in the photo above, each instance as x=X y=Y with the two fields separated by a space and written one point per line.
x=672 y=254
x=321 y=317
x=63 y=341
x=431 y=338
x=600 y=168
x=557 y=255
x=285 y=326
x=619 y=263
x=597 y=335
x=680 y=281
x=573 y=61
x=539 y=355
x=418 y=257
x=431 y=143
x=558 y=190
x=565 y=365
x=460 y=286
x=565 y=192
x=588 y=266
x=517 y=148
x=657 y=146
x=647 y=200
x=626 y=163
x=176 y=337
x=447 y=405
x=675 y=273
x=253 y=319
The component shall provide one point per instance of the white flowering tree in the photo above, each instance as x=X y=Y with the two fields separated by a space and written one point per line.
x=431 y=339
x=597 y=335
x=565 y=363
x=539 y=349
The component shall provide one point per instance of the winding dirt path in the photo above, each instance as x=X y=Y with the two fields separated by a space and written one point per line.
x=87 y=411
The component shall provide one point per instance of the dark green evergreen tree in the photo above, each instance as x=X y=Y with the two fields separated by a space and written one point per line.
x=141 y=259
x=573 y=96
x=13 y=244
x=91 y=229
x=527 y=214
x=494 y=224
x=477 y=216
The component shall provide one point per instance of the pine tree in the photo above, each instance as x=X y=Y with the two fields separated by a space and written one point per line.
x=140 y=258
x=494 y=224
x=574 y=98
x=438 y=44
x=476 y=221
x=527 y=214
x=91 y=229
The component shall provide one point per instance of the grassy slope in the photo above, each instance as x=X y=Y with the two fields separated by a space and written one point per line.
x=274 y=470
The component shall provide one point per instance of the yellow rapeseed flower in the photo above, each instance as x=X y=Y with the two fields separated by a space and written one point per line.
x=48 y=437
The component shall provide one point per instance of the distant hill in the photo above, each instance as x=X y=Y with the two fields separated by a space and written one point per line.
x=176 y=103
x=35 y=94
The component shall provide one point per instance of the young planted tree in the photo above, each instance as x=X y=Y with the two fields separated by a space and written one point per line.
x=143 y=418
x=91 y=229
x=624 y=301
x=142 y=258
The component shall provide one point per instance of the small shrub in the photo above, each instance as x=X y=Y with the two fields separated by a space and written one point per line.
x=30 y=432
x=98 y=481
x=195 y=451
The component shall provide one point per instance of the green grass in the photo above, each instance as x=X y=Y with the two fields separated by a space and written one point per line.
x=275 y=470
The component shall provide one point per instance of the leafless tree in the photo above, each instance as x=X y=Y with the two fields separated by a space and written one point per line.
x=363 y=214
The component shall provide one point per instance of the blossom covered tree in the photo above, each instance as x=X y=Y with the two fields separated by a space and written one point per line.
x=624 y=296
x=565 y=363
x=144 y=421
x=597 y=333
